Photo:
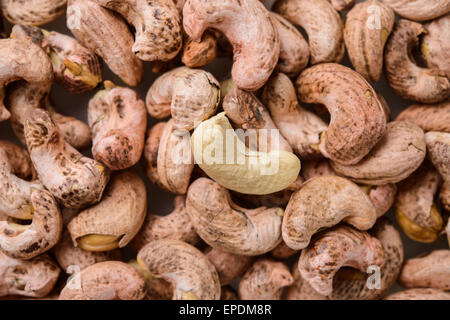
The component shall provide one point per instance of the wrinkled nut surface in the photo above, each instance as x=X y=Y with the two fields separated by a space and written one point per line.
x=435 y=46
x=109 y=280
x=118 y=119
x=419 y=10
x=367 y=29
x=435 y=117
x=419 y=294
x=229 y=266
x=248 y=27
x=116 y=219
x=185 y=267
x=358 y=120
x=407 y=79
x=19 y=159
x=34 y=12
x=265 y=280
x=321 y=22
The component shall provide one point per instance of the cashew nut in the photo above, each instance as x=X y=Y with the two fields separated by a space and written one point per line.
x=419 y=10
x=157 y=288
x=434 y=117
x=34 y=12
x=341 y=5
x=198 y=54
x=19 y=159
x=419 y=294
x=282 y=251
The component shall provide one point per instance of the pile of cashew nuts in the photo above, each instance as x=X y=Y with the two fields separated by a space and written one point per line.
x=300 y=214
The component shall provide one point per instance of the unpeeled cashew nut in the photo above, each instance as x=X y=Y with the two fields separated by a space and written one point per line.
x=109 y=280
x=73 y=179
x=419 y=10
x=236 y=167
x=189 y=95
x=419 y=294
x=434 y=117
x=321 y=22
x=226 y=226
x=198 y=54
x=367 y=29
x=118 y=119
x=19 y=159
x=265 y=280
x=323 y=202
x=358 y=120
x=34 y=12
x=249 y=29
x=157 y=288
x=116 y=219
x=185 y=267
x=407 y=79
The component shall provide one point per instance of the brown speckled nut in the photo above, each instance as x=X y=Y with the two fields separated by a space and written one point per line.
x=434 y=117
x=419 y=294
x=198 y=54
x=33 y=12
x=419 y=10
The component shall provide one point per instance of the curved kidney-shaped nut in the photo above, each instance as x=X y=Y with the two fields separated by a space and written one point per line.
x=225 y=226
x=185 y=267
x=419 y=294
x=265 y=280
x=248 y=27
x=118 y=119
x=34 y=12
x=73 y=179
x=105 y=33
x=434 y=117
x=398 y=154
x=300 y=127
x=236 y=167
x=176 y=225
x=323 y=202
x=115 y=220
x=335 y=248
x=430 y=271
x=358 y=120
x=157 y=24
x=407 y=79
x=157 y=288
x=419 y=10
x=109 y=280
x=19 y=159
x=282 y=251
x=321 y=22
x=31 y=278
x=367 y=29
x=198 y=54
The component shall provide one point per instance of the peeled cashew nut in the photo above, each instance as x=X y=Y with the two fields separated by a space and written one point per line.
x=419 y=294
x=185 y=267
x=419 y=10
x=198 y=54
x=236 y=167
x=321 y=22
x=73 y=179
x=19 y=159
x=109 y=280
x=247 y=26
x=34 y=12
x=31 y=278
x=116 y=219
x=358 y=120
x=407 y=79
x=226 y=226
x=323 y=202
x=118 y=119
x=265 y=280
x=367 y=29
x=434 y=117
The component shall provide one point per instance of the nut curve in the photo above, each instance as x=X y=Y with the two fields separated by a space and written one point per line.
x=419 y=10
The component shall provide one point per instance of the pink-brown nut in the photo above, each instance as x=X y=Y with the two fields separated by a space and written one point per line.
x=335 y=248
x=19 y=159
x=247 y=26
x=341 y=5
x=429 y=271
x=31 y=278
x=185 y=267
x=405 y=77
x=398 y=154
x=419 y=10
x=435 y=47
x=229 y=266
x=358 y=120
x=317 y=168
x=157 y=288
x=434 y=117
x=301 y=289
x=321 y=22
x=323 y=202
x=109 y=280
x=118 y=119
x=106 y=34
x=32 y=12
x=198 y=54
x=367 y=29
x=226 y=226
x=176 y=225
x=419 y=294
x=282 y=251
x=265 y=280
x=300 y=127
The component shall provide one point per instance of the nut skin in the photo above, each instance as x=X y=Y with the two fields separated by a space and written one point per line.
x=74 y=180
x=157 y=288
x=408 y=80
x=321 y=22
x=34 y=12
x=419 y=294
x=358 y=120
x=435 y=117
x=120 y=213
x=109 y=280
x=248 y=27
x=341 y=5
x=198 y=54
x=157 y=24
x=419 y=10
x=185 y=267
x=282 y=251
x=19 y=159
x=265 y=280
x=106 y=34
x=31 y=278
x=118 y=119
x=435 y=46
x=239 y=231
x=365 y=43
x=189 y=95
